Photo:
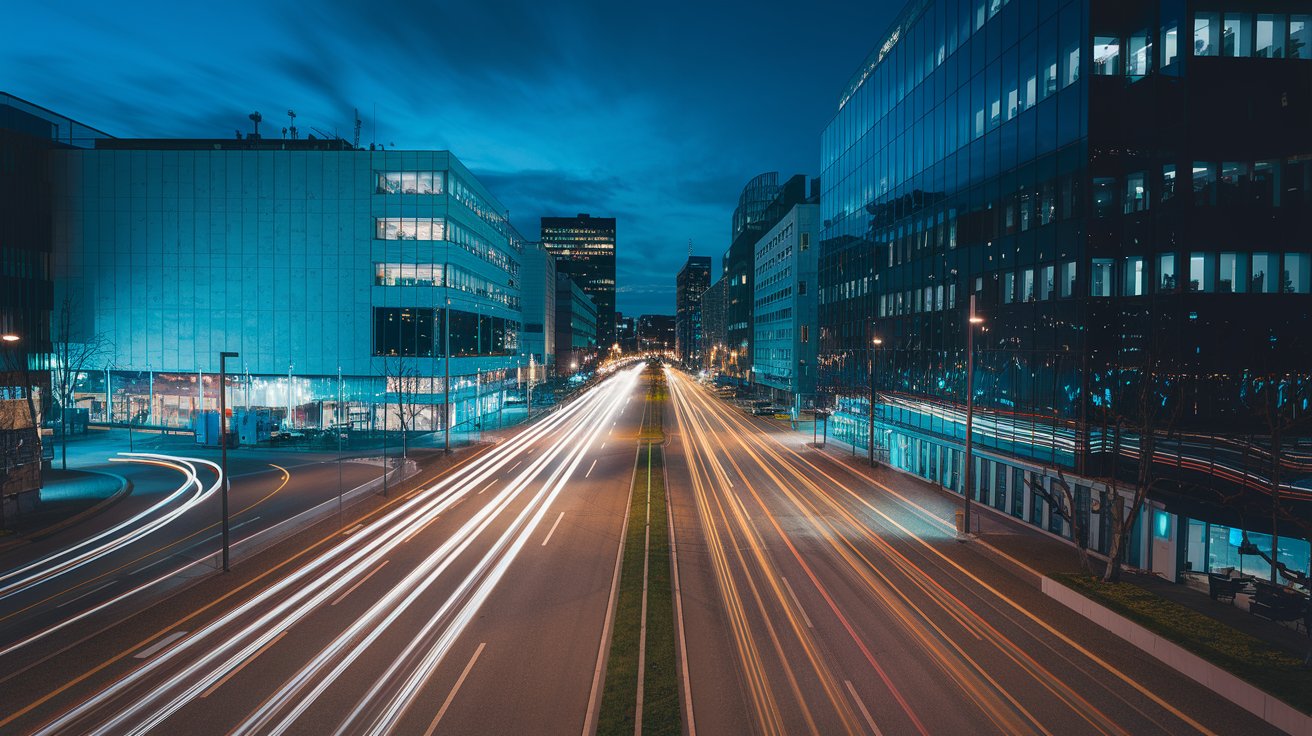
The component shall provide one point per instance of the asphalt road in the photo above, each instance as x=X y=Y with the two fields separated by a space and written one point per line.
x=474 y=603
x=814 y=603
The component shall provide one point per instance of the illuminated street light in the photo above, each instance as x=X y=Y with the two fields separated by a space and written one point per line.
x=10 y=337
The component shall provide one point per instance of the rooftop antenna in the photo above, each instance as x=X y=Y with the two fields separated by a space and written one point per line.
x=690 y=247
x=256 y=117
x=355 y=139
x=291 y=126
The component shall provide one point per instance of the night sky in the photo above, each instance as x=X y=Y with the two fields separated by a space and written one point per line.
x=653 y=113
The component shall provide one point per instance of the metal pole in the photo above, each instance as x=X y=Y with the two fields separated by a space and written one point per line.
x=969 y=490
x=150 y=414
x=446 y=367
x=223 y=445
x=337 y=428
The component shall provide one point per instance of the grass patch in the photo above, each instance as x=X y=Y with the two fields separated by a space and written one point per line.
x=1249 y=658
x=660 y=711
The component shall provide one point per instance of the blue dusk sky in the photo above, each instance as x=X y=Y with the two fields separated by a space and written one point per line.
x=653 y=113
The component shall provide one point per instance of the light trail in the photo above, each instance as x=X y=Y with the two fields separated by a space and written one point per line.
x=148 y=696
x=120 y=535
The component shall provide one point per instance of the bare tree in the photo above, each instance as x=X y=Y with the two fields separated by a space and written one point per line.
x=404 y=382
x=1063 y=505
x=71 y=355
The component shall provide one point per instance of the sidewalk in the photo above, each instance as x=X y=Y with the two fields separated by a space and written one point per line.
x=1045 y=553
x=67 y=497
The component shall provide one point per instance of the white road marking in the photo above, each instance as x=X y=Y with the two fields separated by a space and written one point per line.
x=489 y=485
x=159 y=646
x=590 y=467
x=603 y=445
x=352 y=530
x=516 y=465
x=553 y=528
x=84 y=595
x=860 y=704
x=358 y=583
x=432 y=727
x=797 y=603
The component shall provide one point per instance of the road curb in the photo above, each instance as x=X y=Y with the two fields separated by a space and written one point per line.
x=124 y=488
x=1249 y=697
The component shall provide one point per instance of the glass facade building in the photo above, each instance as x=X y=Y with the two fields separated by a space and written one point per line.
x=784 y=308
x=693 y=280
x=584 y=248
x=1123 y=189
x=336 y=273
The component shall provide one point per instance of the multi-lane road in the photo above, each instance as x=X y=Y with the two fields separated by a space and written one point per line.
x=812 y=600
x=816 y=605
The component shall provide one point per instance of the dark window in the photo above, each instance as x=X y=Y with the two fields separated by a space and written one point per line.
x=403 y=331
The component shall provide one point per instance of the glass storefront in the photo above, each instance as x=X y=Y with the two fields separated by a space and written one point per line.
x=1215 y=547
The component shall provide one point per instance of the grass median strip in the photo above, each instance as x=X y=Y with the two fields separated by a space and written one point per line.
x=644 y=571
x=1249 y=658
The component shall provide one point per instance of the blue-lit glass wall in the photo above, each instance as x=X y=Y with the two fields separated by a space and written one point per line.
x=293 y=258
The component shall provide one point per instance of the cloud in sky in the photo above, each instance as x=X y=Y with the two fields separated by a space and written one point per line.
x=655 y=114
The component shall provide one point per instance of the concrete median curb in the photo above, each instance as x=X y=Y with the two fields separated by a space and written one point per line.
x=1274 y=711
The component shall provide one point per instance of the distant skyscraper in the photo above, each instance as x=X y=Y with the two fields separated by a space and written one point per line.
x=693 y=280
x=656 y=333
x=584 y=247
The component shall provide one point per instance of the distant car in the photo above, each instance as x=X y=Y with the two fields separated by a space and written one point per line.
x=762 y=411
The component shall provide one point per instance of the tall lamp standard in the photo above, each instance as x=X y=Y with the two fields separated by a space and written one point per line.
x=875 y=342
x=10 y=341
x=223 y=444
x=968 y=476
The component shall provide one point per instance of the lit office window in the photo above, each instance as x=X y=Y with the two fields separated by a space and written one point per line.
x=1134 y=276
x=1300 y=37
x=1027 y=285
x=410 y=228
x=1238 y=35
x=410 y=182
x=1139 y=60
x=1207 y=32
x=407 y=274
x=1170 y=43
x=1166 y=272
x=1100 y=277
x=1106 y=56
x=1008 y=287
x=1168 y=181
x=1047 y=282
x=1232 y=275
x=1263 y=279
x=1066 y=280
x=1296 y=273
x=1136 y=192
x=1270 y=41
x=1204 y=181
x=1202 y=272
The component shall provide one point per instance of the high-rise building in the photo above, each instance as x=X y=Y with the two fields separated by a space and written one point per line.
x=626 y=333
x=714 y=338
x=693 y=280
x=784 y=310
x=762 y=203
x=1124 y=190
x=576 y=328
x=656 y=333
x=537 y=337
x=584 y=247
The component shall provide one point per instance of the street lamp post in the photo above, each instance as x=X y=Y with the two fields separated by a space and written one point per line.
x=10 y=340
x=968 y=476
x=446 y=366
x=874 y=343
x=223 y=445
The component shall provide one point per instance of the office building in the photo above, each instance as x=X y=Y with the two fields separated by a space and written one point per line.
x=537 y=338
x=656 y=333
x=350 y=282
x=626 y=333
x=1124 y=190
x=784 y=308
x=715 y=351
x=693 y=280
x=576 y=328
x=584 y=247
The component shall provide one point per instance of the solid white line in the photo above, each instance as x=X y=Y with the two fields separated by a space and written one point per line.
x=158 y=646
x=860 y=704
x=358 y=583
x=797 y=603
x=553 y=528
x=84 y=595
x=432 y=727
x=590 y=467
